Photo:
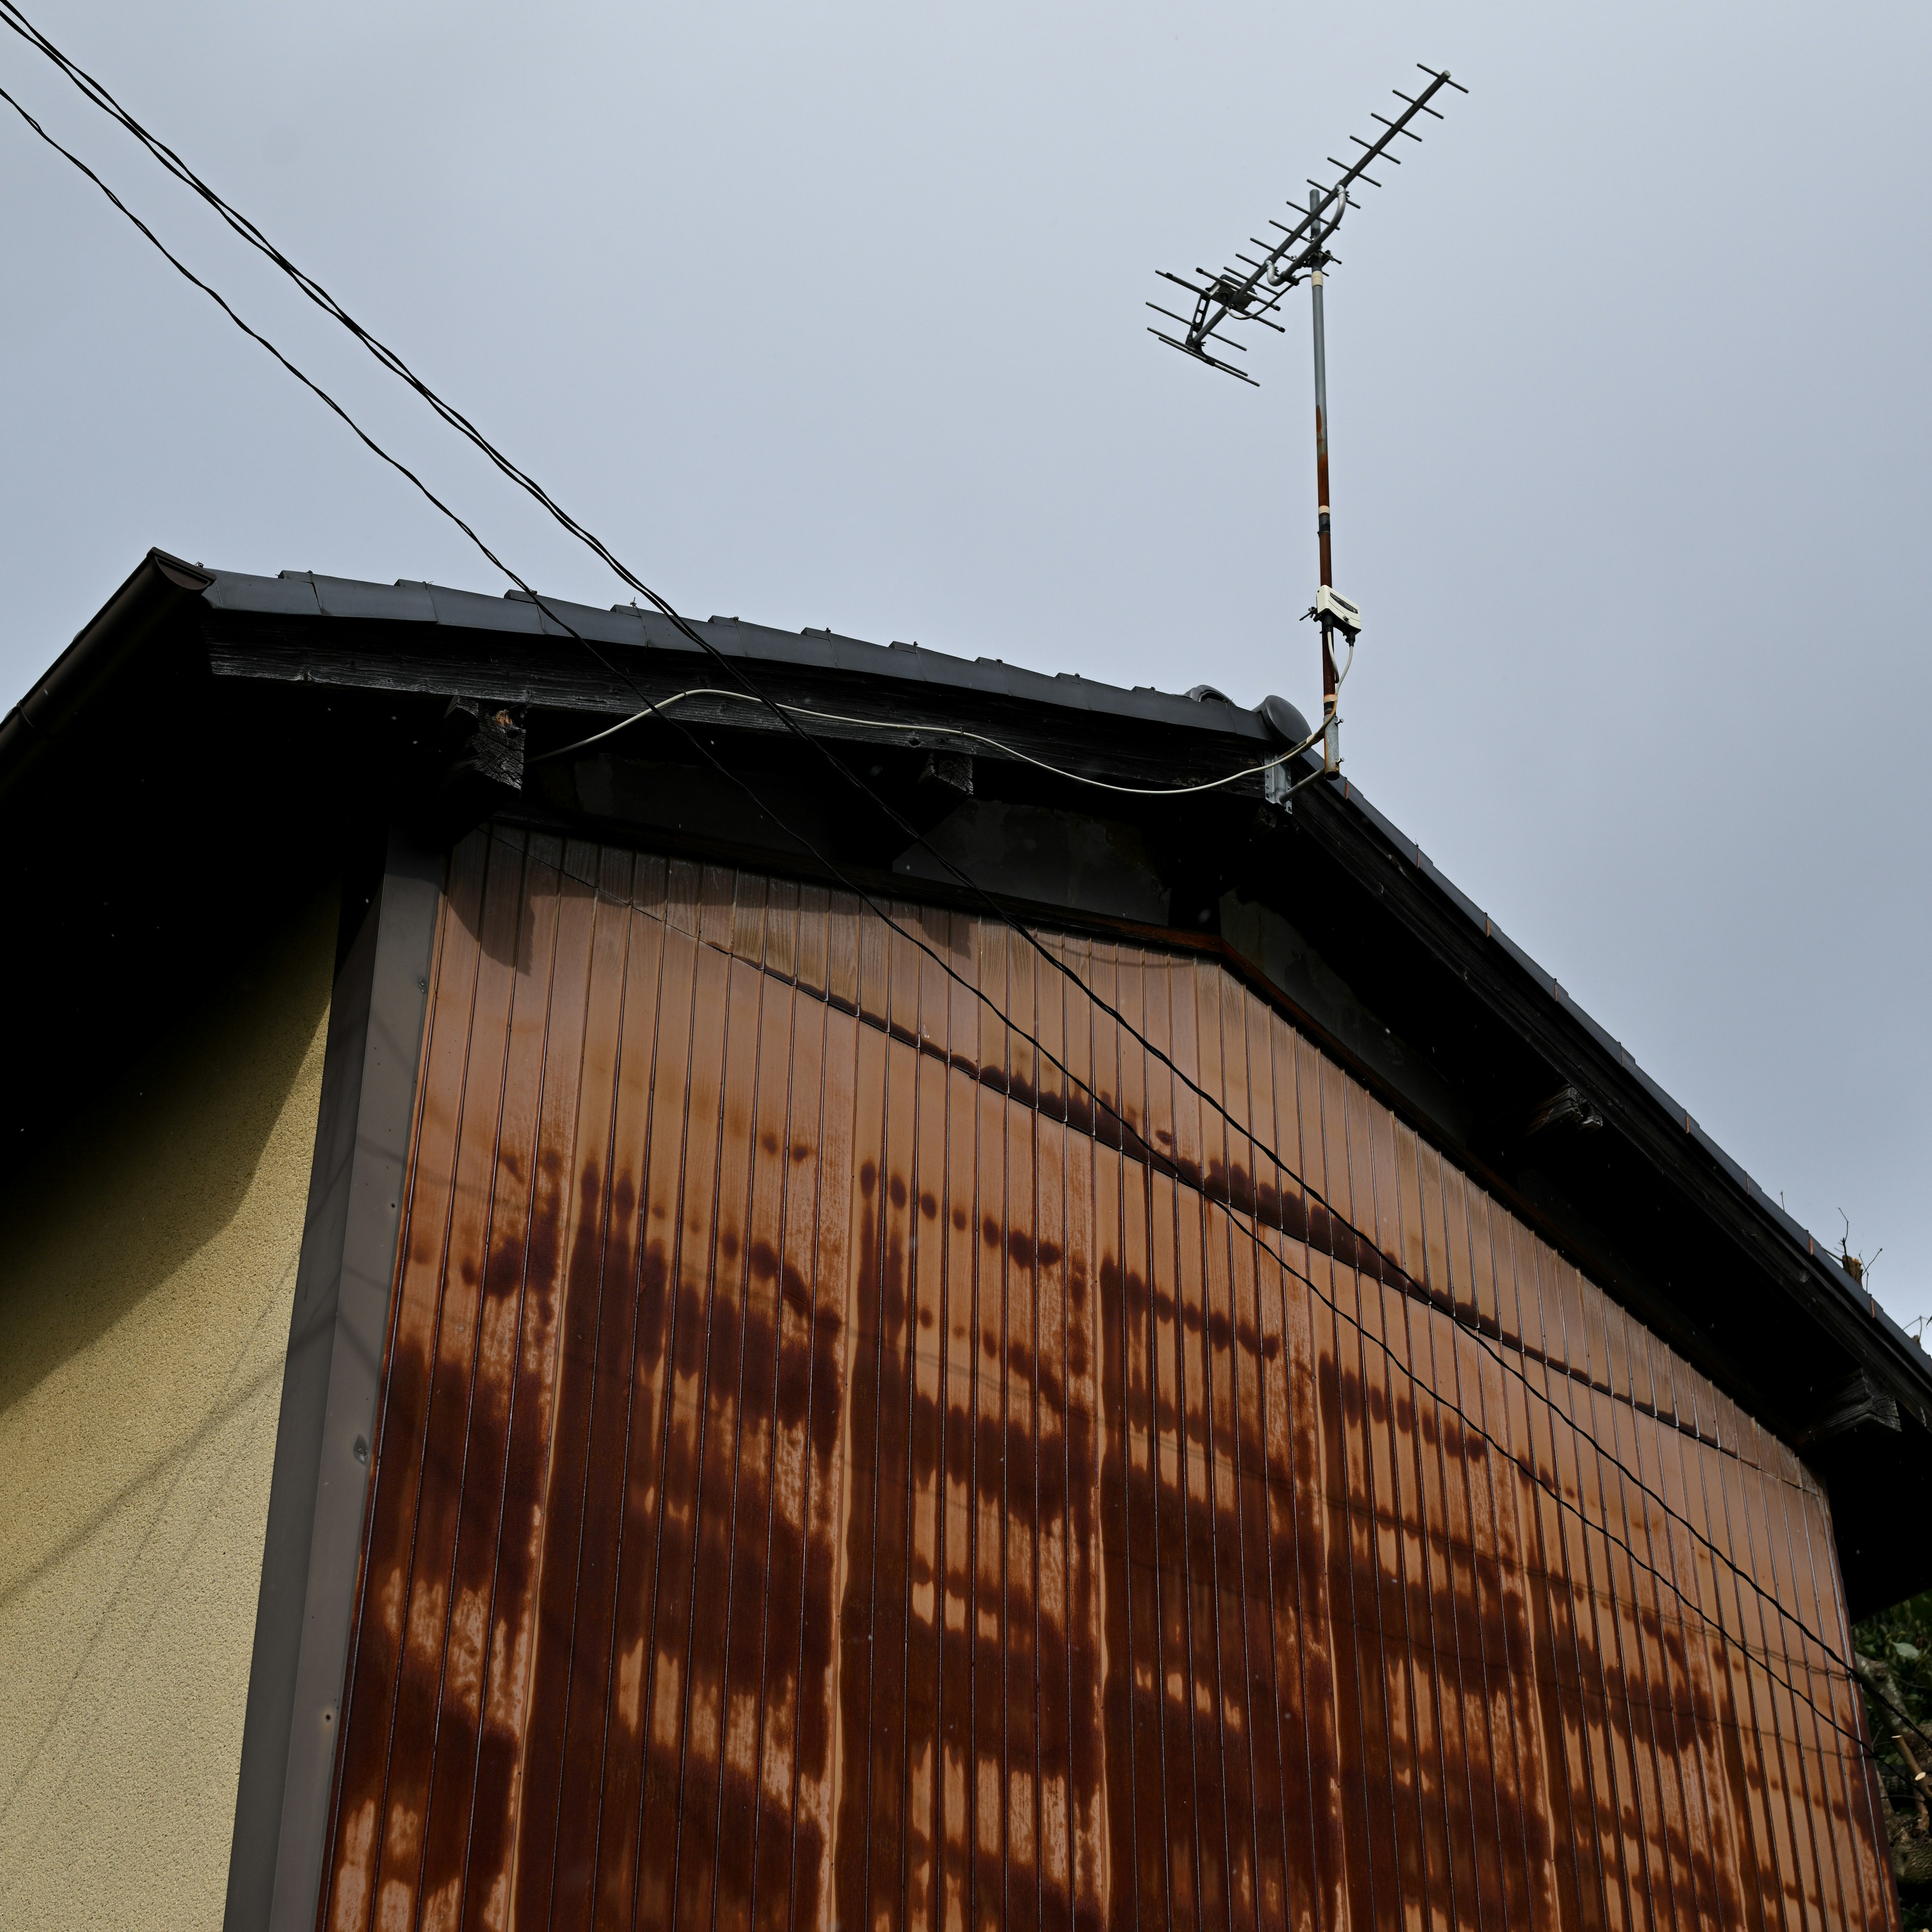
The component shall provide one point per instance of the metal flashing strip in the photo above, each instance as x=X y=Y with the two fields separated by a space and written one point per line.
x=318 y=1492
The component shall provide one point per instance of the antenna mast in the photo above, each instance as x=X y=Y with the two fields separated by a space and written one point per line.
x=1253 y=292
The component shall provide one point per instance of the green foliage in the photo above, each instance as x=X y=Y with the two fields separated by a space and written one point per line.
x=1895 y=1652
x=1900 y=1640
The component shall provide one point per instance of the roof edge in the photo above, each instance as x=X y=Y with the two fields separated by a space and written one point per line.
x=160 y=583
x=156 y=586
x=1812 y=1260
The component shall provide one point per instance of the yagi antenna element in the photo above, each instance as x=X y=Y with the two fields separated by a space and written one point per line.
x=1253 y=292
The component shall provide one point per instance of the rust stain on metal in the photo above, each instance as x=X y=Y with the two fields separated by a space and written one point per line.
x=837 y=1469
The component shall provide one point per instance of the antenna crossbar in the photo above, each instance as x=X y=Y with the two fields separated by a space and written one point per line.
x=1253 y=292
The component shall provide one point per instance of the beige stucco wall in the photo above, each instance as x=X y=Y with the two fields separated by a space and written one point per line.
x=147 y=1269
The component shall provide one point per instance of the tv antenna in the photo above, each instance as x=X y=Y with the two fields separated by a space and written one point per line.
x=1253 y=292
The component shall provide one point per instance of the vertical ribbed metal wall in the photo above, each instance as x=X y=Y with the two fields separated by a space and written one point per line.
x=833 y=1472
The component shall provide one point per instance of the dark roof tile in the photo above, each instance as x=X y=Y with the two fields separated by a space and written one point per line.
x=290 y=595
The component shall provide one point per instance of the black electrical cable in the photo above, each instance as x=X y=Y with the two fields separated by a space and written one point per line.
x=257 y=337
x=99 y=94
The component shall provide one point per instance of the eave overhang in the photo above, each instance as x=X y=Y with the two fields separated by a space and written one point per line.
x=321 y=696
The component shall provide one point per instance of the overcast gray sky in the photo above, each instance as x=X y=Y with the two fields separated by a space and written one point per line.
x=832 y=315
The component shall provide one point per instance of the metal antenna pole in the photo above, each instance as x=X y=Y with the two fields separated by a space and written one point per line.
x=1331 y=734
x=1250 y=290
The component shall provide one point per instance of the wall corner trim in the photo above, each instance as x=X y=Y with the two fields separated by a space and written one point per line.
x=318 y=1492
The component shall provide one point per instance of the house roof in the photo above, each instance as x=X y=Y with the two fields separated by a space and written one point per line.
x=912 y=670
x=1065 y=704
x=1657 y=1210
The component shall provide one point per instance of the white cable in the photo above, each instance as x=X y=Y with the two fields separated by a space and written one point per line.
x=945 y=730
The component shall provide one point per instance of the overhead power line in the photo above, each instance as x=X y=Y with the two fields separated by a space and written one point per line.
x=255 y=335
x=11 y=16
x=98 y=92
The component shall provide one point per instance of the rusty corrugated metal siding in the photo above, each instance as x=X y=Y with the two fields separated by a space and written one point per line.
x=833 y=1473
